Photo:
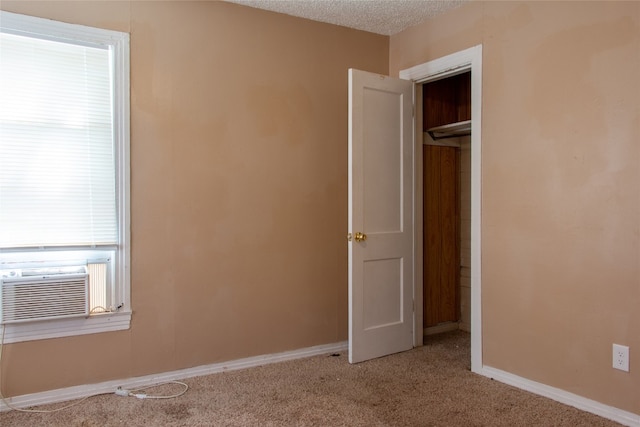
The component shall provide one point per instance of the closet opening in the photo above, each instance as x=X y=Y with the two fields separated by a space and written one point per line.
x=446 y=157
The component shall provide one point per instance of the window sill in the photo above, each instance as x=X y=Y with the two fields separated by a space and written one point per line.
x=97 y=323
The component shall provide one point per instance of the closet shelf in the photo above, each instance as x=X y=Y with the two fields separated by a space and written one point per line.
x=451 y=130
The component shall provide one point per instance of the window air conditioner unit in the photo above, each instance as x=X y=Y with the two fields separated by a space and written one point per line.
x=37 y=294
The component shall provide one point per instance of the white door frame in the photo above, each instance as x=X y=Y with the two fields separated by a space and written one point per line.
x=468 y=59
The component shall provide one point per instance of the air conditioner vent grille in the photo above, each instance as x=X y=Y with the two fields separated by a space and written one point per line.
x=29 y=298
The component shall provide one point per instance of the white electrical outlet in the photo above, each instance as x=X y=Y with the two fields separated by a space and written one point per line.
x=621 y=357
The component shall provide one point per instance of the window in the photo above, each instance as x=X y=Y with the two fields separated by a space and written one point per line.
x=64 y=173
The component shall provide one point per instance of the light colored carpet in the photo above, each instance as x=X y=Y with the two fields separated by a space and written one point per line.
x=427 y=386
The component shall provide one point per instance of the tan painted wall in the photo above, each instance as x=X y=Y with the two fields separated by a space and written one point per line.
x=238 y=188
x=560 y=185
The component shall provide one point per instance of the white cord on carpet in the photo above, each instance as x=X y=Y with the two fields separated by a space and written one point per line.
x=136 y=392
x=120 y=392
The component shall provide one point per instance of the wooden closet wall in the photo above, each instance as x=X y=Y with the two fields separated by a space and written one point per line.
x=446 y=101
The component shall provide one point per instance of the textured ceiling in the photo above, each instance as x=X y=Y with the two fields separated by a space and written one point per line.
x=385 y=17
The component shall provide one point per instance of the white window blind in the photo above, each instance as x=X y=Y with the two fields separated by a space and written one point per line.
x=64 y=166
x=57 y=164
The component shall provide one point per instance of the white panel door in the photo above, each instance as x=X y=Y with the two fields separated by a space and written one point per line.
x=380 y=215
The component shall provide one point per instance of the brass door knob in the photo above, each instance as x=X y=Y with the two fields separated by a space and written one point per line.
x=360 y=237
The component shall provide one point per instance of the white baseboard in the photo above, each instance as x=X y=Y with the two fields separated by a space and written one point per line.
x=78 y=392
x=562 y=396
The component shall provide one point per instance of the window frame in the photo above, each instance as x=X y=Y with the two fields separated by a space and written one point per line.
x=118 y=43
